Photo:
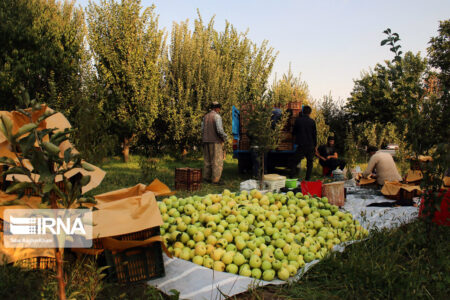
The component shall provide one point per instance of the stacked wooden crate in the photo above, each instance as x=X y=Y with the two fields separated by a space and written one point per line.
x=244 y=141
x=188 y=179
x=287 y=141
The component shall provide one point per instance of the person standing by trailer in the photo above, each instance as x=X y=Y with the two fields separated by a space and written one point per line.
x=305 y=137
x=213 y=139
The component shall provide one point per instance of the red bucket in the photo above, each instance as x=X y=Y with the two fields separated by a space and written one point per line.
x=313 y=188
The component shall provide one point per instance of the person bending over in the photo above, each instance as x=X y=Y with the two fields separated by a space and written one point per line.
x=381 y=166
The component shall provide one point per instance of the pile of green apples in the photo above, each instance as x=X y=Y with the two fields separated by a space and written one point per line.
x=253 y=234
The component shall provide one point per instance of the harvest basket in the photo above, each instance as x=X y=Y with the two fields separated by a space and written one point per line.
x=335 y=192
x=138 y=263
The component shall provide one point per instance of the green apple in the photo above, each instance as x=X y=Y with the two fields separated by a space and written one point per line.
x=280 y=243
x=219 y=266
x=245 y=270
x=309 y=257
x=251 y=244
x=227 y=258
x=268 y=275
x=231 y=247
x=283 y=273
x=211 y=239
x=255 y=261
x=191 y=244
x=256 y=273
x=247 y=252
x=292 y=269
x=276 y=264
x=268 y=256
x=227 y=236
x=279 y=254
x=239 y=259
x=198 y=260
x=265 y=265
x=232 y=268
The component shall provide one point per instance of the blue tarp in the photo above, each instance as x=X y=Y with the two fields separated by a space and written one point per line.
x=235 y=123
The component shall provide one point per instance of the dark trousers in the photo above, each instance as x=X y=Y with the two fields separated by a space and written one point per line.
x=299 y=154
x=333 y=164
x=256 y=162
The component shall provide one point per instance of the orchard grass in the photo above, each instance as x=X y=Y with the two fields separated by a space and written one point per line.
x=400 y=263
x=121 y=175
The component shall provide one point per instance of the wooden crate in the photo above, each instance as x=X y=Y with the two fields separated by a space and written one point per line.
x=294 y=105
x=295 y=113
x=244 y=142
x=403 y=195
x=193 y=186
x=138 y=263
x=285 y=146
x=188 y=179
x=188 y=175
x=286 y=136
x=38 y=263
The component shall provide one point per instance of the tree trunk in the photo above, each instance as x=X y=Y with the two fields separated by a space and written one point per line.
x=261 y=171
x=60 y=274
x=59 y=262
x=126 y=149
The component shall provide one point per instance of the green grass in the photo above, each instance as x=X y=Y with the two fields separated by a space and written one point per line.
x=121 y=175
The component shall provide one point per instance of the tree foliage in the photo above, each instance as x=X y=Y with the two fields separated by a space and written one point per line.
x=289 y=88
x=389 y=92
x=127 y=48
x=203 y=66
x=42 y=49
x=264 y=134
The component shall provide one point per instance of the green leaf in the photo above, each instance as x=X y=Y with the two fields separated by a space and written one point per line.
x=27 y=143
x=15 y=170
x=87 y=166
x=24 y=129
x=19 y=186
x=48 y=187
x=39 y=163
x=6 y=126
x=45 y=115
x=51 y=148
x=85 y=180
x=67 y=155
x=383 y=42
x=7 y=161
x=24 y=112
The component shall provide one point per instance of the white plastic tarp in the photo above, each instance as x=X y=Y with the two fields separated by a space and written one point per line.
x=198 y=283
